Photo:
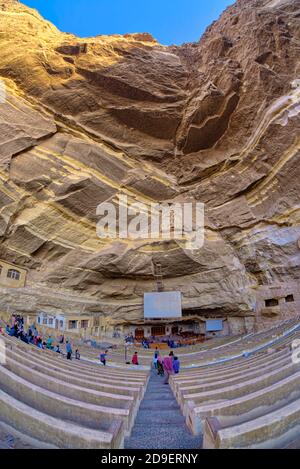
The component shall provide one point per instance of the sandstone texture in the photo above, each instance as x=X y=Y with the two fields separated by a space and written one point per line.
x=86 y=120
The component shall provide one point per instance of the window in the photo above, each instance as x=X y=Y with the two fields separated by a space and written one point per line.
x=72 y=324
x=39 y=320
x=84 y=323
x=61 y=324
x=96 y=330
x=289 y=298
x=50 y=321
x=44 y=320
x=271 y=302
x=14 y=274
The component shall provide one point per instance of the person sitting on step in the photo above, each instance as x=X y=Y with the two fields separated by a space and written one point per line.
x=49 y=343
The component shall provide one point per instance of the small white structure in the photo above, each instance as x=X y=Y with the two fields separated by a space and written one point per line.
x=57 y=322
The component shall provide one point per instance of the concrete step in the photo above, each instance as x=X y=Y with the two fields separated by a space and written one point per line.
x=158 y=396
x=159 y=423
x=166 y=437
x=158 y=416
x=162 y=388
x=154 y=405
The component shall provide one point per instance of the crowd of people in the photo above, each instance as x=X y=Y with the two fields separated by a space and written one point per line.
x=164 y=366
x=33 y=337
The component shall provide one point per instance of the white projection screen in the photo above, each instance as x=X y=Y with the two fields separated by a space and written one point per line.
x=213 y=325
x=162 y=305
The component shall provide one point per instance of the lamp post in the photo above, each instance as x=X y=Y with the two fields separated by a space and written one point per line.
x=126 y=345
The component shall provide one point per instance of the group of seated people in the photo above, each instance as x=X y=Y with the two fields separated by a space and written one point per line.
x=17 y=329
x=145 y=343
x=129 y=339
x=32 y=336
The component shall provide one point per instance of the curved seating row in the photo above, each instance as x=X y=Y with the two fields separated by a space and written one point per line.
x=249 y=402
x=67 y=404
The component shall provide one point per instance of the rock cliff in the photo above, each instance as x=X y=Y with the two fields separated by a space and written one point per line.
x=85 y=120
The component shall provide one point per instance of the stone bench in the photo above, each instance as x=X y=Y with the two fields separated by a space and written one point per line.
x=56 y=431
x=206 y=358
x=232 y=391
x=246 y=407
x=272 y=430
x=182 y=379
x=77 y=379
x=203 y=385
x=79 y=364
x=59 y=363
x=178 y=383
x=129 y=374
x=88 y=368
x=244 y=365
x=110 y=377
x=72 y=391
x=88 y=415
x=21 y=440
x=232 y=365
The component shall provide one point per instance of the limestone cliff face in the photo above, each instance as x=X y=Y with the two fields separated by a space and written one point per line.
x=86 y=120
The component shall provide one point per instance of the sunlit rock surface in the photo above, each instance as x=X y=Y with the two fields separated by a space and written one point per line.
x=87 y=120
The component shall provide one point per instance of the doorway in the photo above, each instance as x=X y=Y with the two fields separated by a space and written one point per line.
x=139 y=333
x=158 y=330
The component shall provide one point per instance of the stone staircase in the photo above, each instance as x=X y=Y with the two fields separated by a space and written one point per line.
x=159 y=423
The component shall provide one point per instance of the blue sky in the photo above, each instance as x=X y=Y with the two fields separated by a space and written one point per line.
x=169 y=21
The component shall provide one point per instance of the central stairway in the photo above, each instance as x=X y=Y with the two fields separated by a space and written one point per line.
x=159 y=423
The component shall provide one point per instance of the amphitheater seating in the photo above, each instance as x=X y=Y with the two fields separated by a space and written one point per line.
x=67 y=404
x=215 y=349
x=246 y=402
x=235 y=399
x=272 y=430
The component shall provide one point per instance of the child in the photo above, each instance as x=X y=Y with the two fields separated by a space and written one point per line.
x=49 y=343
x=176 y=365
x=69 y=350
x=160 y=368
x=156 y=353
x=103 y=357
